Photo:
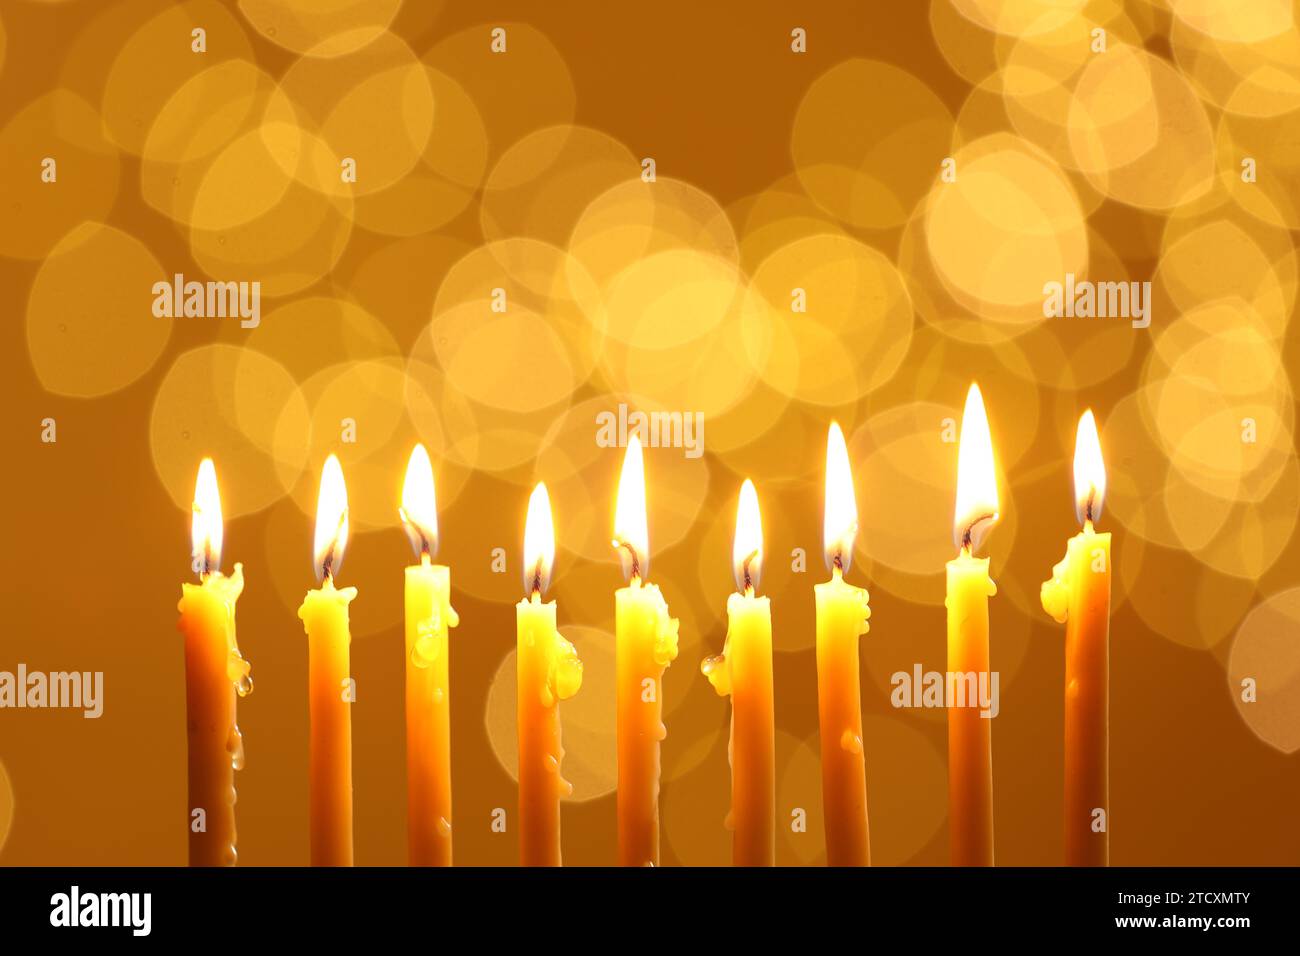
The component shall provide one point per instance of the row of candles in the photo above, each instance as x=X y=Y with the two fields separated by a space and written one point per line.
x=549 y=671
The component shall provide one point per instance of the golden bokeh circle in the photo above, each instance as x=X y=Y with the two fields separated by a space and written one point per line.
x=870 y=164
x=1236 y=22
x=231 y=133
x=63 y=128
x=320 y=29
x=1258 y=77
x=374 y=106
x=1265 y=140
x=314 y=332
x=158 y=58
x=515 y=295
x=1266 y=651
x=853 y=326
x=449 y=173
x=675 y=334
x=238 y=407
x=1177 y=163
x=1211 y=258
x=526 y=88
x=302 y=232
x=634 y=219
x=543 y=183
x=91 y=298
x=587 y=732
x=1009 y=223
x=966 y=46
x=1019 y=17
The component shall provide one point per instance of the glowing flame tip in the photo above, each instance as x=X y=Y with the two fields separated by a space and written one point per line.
x=331 y=520
x=539 y=543
x=631 y=535
x=747 y=546
x=419 y=509
x=977 y=485
x=840 y=515
x=1089 y=470
x=206 y=525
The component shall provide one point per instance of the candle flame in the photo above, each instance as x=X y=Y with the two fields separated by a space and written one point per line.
x=747 y=548
x=1089 y=470
x=631 y=537
x=419 y=508
x=206 y=526
x=977 y=483
x=840 y=514
x=539 y=543
x=331 y=520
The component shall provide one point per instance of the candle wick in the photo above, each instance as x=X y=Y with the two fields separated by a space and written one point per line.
x=1092 y=497
x=748 y=579
x=415 y=531
x=968 y=536
x=209 y=559
x=327 y=562
x=635 y=570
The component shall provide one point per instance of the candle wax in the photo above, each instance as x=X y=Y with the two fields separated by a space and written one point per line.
x=548 y=671
x=744 y=672
x=970 y=739
x=1079 y=597
x=645 y=643
x=324 y=614
x=842 y=614
x=429 y=614
x=214 y=674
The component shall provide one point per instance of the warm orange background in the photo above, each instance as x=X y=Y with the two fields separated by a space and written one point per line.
x=96 y=546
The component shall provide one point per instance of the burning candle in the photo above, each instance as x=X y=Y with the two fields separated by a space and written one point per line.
x=842 y=614
x=548 y=671
x=429 y=614
x=214 y=673
x=970 y=745
x=645 y=644
x=324 y=614
x=1078 y=595
x=744 y=671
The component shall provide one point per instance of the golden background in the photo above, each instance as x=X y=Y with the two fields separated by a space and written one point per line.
x=774 y=170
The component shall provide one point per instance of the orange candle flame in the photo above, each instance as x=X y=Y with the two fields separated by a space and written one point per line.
x=331 y=520
x=977 y=483
x=631 y=536
x=747 y=547
x=206 y=526
x=1089 y=471
x=419 y=508
x=840 y=515
x=539 y=543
